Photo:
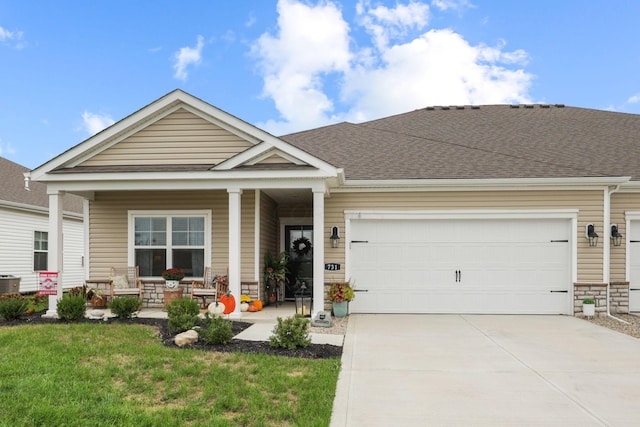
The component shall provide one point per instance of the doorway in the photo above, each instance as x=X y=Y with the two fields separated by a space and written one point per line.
x=298 y=240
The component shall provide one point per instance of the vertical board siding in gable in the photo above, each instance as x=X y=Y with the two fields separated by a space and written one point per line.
x=589 y=204
x=275 y=159
x=181 y=137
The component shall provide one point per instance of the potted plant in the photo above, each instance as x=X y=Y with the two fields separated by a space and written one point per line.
x=172 y=277
x=588 y=307
x=340 y=293
x=275 y=275
x=96 y=297
x=173 y=291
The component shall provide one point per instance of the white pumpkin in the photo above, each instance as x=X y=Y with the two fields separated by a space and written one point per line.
x=216 y=308
x=244 y=306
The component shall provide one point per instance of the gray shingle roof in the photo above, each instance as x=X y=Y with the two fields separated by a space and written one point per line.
x=489 y=141
x=12 y=189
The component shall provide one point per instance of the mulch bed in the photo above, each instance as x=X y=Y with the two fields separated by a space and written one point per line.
x=313 y=351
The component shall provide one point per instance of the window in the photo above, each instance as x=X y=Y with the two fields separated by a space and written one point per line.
x=40 y=250
x=163 y=241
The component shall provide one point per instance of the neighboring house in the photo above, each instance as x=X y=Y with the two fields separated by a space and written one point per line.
x=24 y=230
x=469 y=209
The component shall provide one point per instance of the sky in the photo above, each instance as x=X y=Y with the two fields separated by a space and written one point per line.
x=68 y=69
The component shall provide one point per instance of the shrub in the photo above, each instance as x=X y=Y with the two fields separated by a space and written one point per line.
x=124 y=307
x=182 y=314
x=38 y=302
x=216 y=331
x=13 y=308
x=71 y=307
x=13 y=295
x=291 y=333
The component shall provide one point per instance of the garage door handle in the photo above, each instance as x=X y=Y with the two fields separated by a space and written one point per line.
x=559 y=292
x=634 y=289
x=361 y=290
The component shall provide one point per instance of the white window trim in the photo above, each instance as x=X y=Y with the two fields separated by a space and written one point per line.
x=206 y=213
x=33 y=250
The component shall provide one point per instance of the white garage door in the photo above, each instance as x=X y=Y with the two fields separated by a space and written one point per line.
x=461 y=266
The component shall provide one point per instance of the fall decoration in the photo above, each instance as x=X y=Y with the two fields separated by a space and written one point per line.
x=301 y=246
x=229 y=302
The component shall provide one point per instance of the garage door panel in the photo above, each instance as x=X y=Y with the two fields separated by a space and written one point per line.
x=466 y=266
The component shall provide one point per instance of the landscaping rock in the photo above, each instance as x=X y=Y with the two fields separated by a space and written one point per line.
x=96 y=315
x=186 y=338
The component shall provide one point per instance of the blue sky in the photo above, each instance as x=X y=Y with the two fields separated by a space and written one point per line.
x=70 y=68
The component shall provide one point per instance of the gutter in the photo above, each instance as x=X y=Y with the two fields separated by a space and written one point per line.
x=607 y=248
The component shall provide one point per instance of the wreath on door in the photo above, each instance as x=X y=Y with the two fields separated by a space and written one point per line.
x=301 y=246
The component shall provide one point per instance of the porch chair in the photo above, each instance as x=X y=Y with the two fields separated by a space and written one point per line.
x=126 y=281
x=211 y=286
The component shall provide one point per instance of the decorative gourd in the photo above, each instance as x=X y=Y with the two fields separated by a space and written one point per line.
x=229 y=302
x=257 y=304
x=216 y=308
x=253 y=309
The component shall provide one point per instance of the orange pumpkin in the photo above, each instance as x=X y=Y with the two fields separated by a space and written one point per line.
x=257 y=304
x=229 y=302
x=253 y=308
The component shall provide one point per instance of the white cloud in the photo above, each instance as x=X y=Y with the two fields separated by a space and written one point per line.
x=404 y=66
x=6 y=148
x=451 y=4
x=94 y=123
x=187 y=56
x=634 y=99
x=15 y=38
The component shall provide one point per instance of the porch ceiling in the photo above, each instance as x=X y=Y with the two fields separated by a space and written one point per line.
x=290 y=196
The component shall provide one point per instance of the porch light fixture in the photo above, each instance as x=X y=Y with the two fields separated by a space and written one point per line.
x=592 y=235
x=616 y=237
x=335 y=237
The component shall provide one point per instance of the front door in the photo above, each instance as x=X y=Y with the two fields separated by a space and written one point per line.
x=299 y=246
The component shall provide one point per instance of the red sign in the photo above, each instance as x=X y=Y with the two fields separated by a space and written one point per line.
x=48 y=283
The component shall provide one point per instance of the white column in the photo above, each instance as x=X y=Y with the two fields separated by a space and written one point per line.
x=318 y=251
x=235 y=211
x=55 y=256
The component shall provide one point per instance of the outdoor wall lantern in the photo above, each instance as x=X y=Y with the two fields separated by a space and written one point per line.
x=592 y=235
x=616 y=237
x=303 y=300
x=335 y=237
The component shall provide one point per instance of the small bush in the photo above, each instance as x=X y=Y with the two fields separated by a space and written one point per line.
x=71 y=307
x=182 y=314
x=124 y=307
x=13 y=308
x=13 y=295
x=38 y=302
x=216 y=331
x=291 y=333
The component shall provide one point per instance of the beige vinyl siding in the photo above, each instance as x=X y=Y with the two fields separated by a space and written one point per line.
x=621 y=203
x=275 y=159
x=589 y=204
x=181 y=137
x=109 y=225
x=268 y=231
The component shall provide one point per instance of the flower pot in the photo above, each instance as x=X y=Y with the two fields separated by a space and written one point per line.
x=99 y=301
x=340 y=309
x=171 y=295
x=172 y=284
x=589 y=310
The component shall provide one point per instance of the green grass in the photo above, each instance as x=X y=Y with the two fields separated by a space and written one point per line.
x=118 y=375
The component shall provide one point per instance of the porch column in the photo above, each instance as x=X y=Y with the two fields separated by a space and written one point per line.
x=318 y=251
x=55 y=255
x=235 y=212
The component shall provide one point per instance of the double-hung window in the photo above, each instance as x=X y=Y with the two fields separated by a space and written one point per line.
x=170 y=240
x=40 y=250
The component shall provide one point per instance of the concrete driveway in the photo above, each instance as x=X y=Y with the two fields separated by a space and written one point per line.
x=485 y=370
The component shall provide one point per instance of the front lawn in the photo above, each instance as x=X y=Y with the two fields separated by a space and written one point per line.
x=95 y=374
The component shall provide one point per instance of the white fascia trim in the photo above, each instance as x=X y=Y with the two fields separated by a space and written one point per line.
x=158 y=185
x=275 y=152
x=463 y=214
x=478 y=184
x=146 y=116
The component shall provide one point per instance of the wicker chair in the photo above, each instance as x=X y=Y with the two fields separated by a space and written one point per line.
x=126 y=281
x=211 y=286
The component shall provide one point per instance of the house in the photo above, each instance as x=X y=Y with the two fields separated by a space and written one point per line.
x=24 y=229
x=460 y=209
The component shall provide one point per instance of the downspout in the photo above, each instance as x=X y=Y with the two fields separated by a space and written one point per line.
x=607 y=248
